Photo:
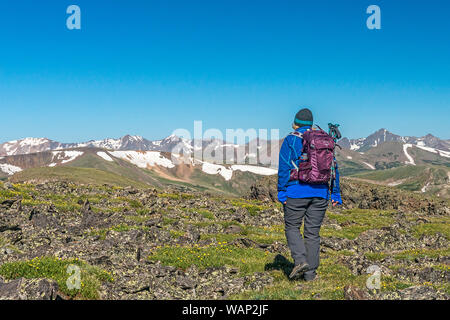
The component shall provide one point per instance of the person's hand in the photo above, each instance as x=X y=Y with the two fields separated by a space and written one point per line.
x=335 y=203
x=284 y=202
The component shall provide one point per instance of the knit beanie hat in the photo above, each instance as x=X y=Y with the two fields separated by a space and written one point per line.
x=304 y=118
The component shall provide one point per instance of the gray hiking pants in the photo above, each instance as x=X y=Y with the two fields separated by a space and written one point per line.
x=306 y=248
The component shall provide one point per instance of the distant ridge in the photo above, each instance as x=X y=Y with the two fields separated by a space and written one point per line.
x=133 y=142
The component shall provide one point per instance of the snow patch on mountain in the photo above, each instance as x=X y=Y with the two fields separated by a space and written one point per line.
x=425 y=187
x=106 y=144
x=62 y=157
x=405 y=151
x=9 y=168
x=137 y=138
x=227 y=173
x=369 y=165
x=144 y=159
x=442 y=153
x=32 y=142
x=211 y=168
x=8 y=147
x=105 y=156
x=254 y=169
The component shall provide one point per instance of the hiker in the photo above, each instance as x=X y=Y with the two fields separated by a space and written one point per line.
x=304 y=190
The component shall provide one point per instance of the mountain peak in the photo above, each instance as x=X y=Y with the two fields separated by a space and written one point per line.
x=133 y=138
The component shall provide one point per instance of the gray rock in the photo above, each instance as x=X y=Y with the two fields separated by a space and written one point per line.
x=355 y=293
x=28 y=289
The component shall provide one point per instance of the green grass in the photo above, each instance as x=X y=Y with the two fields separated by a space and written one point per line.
x=267 y=235
x=176 y=233
x=135 y=204
x=253 y=207
x=205 y=213
x=358 y=220
x=348 y=168
x=176 y=196
x=421 y=253
x=137 y=219
x=414 y=177
x=262 y=235
x=394 y=173
x=247 y=260
x=19 y=191
x=432 y=228
x=375 y=256
x=78 y=175
x=389 y=283
x=332 y=279
x=56 y=269
x=122 y=227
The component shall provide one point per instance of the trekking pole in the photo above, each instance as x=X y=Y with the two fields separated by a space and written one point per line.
x=336 y=135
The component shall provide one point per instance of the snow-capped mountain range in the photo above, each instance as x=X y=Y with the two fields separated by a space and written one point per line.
x=383 y=135
x=128 y=142
x=178 y=145
x=381 y=150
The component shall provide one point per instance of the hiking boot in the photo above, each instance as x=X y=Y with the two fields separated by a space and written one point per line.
x=298 y=270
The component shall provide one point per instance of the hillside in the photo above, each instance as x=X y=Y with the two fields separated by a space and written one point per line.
x=433 y=180
x=399 y=165
x=133 y=243
x=131 y=168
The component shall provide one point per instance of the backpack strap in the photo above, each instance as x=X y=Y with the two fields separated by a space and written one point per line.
x=297 y=134
x=293 y=163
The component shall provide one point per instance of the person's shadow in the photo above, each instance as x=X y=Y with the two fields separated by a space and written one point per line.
x=280 y=263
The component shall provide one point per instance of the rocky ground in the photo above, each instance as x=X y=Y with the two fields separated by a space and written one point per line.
x=177 y=244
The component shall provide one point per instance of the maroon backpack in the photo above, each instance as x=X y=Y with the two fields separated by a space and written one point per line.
x=317 y=159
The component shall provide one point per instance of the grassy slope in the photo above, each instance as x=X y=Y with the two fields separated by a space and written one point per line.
x=348 y=167
x=91 y=169
x=76 y=175
x=412 y=178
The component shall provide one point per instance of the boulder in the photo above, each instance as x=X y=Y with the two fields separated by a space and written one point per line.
x=28 y=289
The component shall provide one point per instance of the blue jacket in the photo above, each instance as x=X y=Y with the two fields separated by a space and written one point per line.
x=291 y=150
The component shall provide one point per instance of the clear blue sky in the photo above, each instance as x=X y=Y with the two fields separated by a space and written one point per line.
x=149 y=67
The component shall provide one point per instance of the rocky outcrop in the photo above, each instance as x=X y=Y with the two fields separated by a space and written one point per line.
x=28 y=289
x=364 y=196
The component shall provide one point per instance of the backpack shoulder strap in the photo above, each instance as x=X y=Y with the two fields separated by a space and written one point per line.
x=299 y=135
x=296 y=134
